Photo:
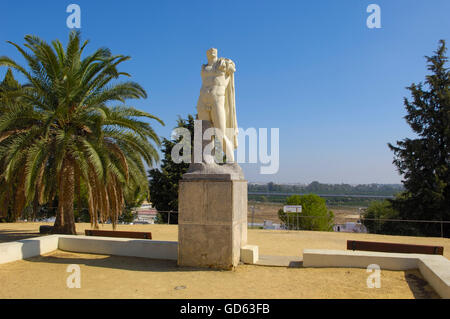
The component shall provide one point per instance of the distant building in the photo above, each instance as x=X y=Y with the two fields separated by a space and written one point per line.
x=145 y=214
x=350 y=227
x=266 y=225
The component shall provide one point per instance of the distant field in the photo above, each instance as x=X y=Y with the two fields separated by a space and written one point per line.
x=331 y=201
x=269 y=211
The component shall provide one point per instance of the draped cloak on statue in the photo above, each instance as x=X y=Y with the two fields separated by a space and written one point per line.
x=230 y=110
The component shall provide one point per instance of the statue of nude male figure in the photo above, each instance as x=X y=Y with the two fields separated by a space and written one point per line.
x=216 y=103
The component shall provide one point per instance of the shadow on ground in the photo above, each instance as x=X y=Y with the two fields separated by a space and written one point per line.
x=419 y=286
x=17 y=234
x=115 y=262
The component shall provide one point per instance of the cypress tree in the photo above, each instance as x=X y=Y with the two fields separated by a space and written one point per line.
x=424 y=161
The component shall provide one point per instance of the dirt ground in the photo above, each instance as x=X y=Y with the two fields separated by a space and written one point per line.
x=126 y=277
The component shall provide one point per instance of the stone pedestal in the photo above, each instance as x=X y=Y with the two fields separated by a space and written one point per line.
x=212 y=222
x=212 y=212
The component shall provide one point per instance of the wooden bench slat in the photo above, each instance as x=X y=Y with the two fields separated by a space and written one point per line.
x=119 y=234
x=394 y=247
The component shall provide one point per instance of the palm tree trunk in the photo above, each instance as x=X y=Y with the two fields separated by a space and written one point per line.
x=35 y=206
x=65 y=221
x=19 y=198
x=78 y=190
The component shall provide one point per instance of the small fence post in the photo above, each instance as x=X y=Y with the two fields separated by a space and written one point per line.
x=253 y=216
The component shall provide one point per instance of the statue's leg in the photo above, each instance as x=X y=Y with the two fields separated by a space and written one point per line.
x=220 y=122
x=203 y=112
x=204 y=107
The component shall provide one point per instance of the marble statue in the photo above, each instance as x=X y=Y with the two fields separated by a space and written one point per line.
x=216 y=103
x=212 y=196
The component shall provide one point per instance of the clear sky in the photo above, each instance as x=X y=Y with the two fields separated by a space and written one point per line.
x=313 y=69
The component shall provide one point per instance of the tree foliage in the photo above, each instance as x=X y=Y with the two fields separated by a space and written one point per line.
x=424 y=161
x=328 y=189
x=11 y=198
x=61 y=134
x=380 y=216
x=314 y=216
x=164 y=181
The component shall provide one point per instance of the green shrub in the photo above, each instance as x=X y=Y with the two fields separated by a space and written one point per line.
x=314 y=216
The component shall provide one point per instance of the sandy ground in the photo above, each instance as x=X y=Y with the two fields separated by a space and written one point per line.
x=126 y=277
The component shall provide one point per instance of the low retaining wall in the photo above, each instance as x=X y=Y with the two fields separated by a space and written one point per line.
x=437 y=272
x=435 y=269
x=358 y=259
x=27 y=248
x=32 y=247
x=119 y=246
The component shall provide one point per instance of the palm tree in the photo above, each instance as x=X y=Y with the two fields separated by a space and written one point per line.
x=69 y=134
x=11 y=196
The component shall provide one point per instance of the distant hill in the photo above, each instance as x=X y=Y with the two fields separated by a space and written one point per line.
x=329 y=189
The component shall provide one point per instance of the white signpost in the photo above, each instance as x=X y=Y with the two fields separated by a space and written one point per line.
x=292 y=209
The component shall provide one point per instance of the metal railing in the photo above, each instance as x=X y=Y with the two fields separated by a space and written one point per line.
x=296 y=222
x=321 y=195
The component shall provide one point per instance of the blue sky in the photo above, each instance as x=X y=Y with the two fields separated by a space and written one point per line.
x=313 y=69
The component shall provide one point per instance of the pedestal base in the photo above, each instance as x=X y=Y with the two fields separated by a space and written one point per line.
x=212 y=222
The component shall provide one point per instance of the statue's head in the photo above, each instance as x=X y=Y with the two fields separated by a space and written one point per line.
x=211 y=53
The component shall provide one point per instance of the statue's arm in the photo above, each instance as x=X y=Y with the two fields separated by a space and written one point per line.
x=231 y=67
x=227 y=66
